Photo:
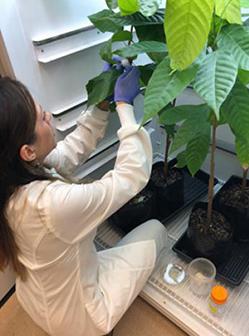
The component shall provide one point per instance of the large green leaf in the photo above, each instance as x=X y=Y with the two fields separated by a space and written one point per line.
x=189 y=130
x=108 y=21
x=164 y=86
x=101 y=87
x=128 y=7
x=197 y=149
x=236 y=110
x=140 y=48
x=112 y=4
x=106 y=49
x=228 y=10
x=173 y=115
x=149 y=7
x=242 y=151
x=155 y=34
x=215 y=79
x=235 y=39
x=187 y=24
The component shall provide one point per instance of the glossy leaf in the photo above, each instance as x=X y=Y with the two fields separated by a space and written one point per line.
x=236 y=110
x=149 y=7
x=141 y=47
x=164 y=86
x=128 y=7
x=101 y=87
x=242 y=151
x=228 y=10
x=236 y=40
x=215 y=79
x=187 y=24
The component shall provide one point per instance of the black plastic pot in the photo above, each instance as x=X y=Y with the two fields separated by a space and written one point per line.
x=207 y=243
x=168 y=197
x=137 y=211
x=238 y=215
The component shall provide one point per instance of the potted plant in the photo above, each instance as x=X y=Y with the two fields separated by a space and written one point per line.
x=233 y=198
x=205 y=53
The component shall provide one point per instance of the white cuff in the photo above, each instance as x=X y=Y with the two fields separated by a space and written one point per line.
x=126 y=114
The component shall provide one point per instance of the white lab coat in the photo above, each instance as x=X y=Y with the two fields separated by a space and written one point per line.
x=71 y=289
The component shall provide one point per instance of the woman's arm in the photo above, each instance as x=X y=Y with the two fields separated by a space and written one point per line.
x=78 y=145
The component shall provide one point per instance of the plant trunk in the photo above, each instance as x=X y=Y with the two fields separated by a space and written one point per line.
x=211 y=178
x=166 y=156
x=244 y=181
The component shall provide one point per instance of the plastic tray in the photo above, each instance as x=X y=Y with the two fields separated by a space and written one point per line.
x=232 y=271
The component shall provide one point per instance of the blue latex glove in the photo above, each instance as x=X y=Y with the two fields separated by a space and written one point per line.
x=107 y=66
x=127 y=85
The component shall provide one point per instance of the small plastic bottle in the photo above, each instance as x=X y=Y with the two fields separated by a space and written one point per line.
x=218 y=299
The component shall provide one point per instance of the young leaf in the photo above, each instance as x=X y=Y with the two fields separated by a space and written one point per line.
x=228 y=10
x=236 y=40
x=164 y=86
x=197 y=149
x=140 y=48
x=236 y=110
x=128 y=7
x=215 y=79
x=112 y=4
x=242 y=151
x=101 y=87
x=187 y=24
x=149 y=7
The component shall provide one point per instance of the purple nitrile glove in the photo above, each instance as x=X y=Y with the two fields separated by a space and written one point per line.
x=107 y=66
x=127 y=85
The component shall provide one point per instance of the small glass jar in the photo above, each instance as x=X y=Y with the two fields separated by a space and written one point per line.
x=218 y=299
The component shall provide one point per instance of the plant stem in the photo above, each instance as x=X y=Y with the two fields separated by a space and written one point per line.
x=244 y=181
x=167 y=146
x=211 y=177
x=166 y=166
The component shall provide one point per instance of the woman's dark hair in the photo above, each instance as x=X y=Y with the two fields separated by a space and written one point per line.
x=17 y=127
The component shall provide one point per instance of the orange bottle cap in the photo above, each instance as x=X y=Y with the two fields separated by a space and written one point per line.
x=219 y=294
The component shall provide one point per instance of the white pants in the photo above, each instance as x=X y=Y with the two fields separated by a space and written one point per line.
x=150 y=230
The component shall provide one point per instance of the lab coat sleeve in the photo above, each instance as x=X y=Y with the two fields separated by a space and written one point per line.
x=78 y=145
x=74 y=210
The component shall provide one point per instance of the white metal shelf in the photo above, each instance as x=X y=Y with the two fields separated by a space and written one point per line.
x=54 y=47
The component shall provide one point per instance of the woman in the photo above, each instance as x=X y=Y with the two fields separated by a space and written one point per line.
x=47 y=226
